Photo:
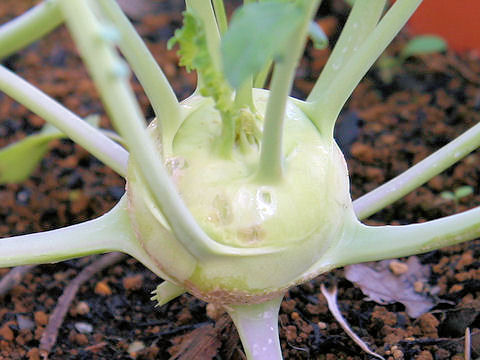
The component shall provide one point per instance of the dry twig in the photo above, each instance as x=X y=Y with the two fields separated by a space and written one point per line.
x=468 y=344
x=49 y=337
x=331 y=296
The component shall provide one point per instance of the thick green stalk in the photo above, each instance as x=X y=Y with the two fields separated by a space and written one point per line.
x=244 y=96
x=325 y=109
x=29 y=27
x=221 y=15
x=417 y=175
x=157 y=88
x=372 y=243
x=361 y=21
x=257 y=325
x=75 y=128
x=261 y=77
x=110 y=232
x=271 y=154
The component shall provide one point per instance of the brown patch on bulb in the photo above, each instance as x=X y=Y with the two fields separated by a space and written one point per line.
x=232 y=297
x=252 y=234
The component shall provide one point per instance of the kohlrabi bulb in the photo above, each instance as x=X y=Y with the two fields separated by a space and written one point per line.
x=301 y=216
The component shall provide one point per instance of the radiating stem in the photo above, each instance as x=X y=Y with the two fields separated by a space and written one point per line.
x=271 y=155
x=361 y=21
x=372 y=243
x=325 y=109
x=110 y=232
x=157 y=88
x=418 y=174
x=257 y=325
x=29 y=27
x=75 y=128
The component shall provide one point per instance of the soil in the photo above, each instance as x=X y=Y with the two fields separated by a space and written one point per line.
x=394 y=119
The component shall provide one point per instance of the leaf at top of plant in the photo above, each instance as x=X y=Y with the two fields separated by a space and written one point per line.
x=19 y=160
x=257 y=35
x=194 y=55
x=187 y=37
x=463 y=191
x=423 y=44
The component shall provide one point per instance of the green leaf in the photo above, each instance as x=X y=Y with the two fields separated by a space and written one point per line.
x=447 y=195
x=425 y=44
x=19 y=160
x=256 y=36
x=463 y=191
x=187 y=39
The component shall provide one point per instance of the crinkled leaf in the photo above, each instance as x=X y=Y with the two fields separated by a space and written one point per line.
x=256 y=36
x=189 y=39
x=424 y=44
x=379 y=284
x=194 y=55
x=19 y=160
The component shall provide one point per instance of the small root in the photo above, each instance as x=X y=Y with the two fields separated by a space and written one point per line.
x=331 y=296
x=49 y=337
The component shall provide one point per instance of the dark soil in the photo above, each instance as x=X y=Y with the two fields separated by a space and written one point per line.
x=391 y=122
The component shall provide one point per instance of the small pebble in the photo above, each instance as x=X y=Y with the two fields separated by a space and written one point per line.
x=25 y=323
x=41 y=318
x=33 y=354
x=103 y=289
x=83 y=327
x=397 y=354
x=6 y=333
x=424 y=355
x=291 y=333
x=214 y=312
x=81 y=339
x=133 y=283
x=135 y=347
x=82 y=308
x=398 y=267
x=418 y=286
x=322 y=325
x=456 y=288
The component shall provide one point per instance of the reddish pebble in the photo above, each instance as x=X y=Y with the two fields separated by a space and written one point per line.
x=6 y=333
x=41 y=319
x=133 y=283
x=103 y=289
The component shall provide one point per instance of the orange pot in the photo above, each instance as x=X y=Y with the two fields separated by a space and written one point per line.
x=457 y=21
